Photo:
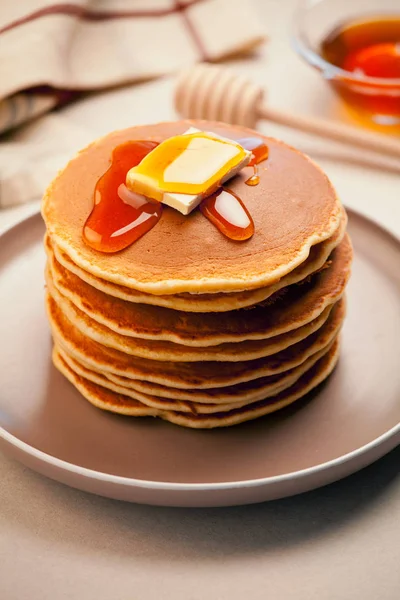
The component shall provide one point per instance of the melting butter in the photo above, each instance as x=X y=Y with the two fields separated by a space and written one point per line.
x=186 y=168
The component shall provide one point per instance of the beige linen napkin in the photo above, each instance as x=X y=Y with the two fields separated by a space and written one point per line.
x=50 y=53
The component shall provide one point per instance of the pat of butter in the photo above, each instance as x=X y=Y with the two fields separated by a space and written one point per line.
x=184 y=169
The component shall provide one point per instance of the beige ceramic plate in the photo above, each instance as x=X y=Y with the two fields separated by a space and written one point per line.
x=348 y=423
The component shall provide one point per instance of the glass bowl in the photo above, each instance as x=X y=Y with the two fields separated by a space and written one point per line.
x=376 y=98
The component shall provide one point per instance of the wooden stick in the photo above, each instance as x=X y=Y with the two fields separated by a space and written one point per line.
x=332 y=130
x=219 y=94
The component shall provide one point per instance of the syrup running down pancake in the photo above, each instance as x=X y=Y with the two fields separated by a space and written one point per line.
x=293 y=207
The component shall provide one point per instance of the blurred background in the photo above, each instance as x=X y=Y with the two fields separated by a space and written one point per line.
x=71 y=72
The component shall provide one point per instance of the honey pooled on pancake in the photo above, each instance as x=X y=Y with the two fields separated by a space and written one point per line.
x=182 y=172
x=294 y=208
x=120 y=217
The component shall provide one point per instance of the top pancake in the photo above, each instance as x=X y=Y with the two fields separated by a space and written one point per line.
x=293 y=208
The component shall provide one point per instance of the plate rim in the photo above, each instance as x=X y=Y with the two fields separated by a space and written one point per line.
x=146 y=484
x=193 y=487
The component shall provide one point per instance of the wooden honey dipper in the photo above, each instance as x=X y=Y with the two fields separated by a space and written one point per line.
x=219 y=94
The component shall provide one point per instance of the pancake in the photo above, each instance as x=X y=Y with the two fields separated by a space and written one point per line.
x=168 y=351
x=200 y=375
x=294 y=207
x=217 y=302
x=198 y=401
x=122 y=404
x=91 y=310
x=248 y=390
x=186 y=324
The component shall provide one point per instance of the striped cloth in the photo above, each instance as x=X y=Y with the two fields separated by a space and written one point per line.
x=52 y=53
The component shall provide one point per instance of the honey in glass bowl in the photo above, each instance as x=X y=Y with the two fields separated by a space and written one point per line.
x=369 y=50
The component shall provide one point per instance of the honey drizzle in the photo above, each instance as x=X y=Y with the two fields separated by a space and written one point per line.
x=259 y=150
x=255 y=178
x=227 y=212
x=162 y=166
x=120 y=217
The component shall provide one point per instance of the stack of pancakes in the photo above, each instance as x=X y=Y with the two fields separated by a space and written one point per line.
x=186 y=324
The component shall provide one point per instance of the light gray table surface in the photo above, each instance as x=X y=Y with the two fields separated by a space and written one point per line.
x=341 y=542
